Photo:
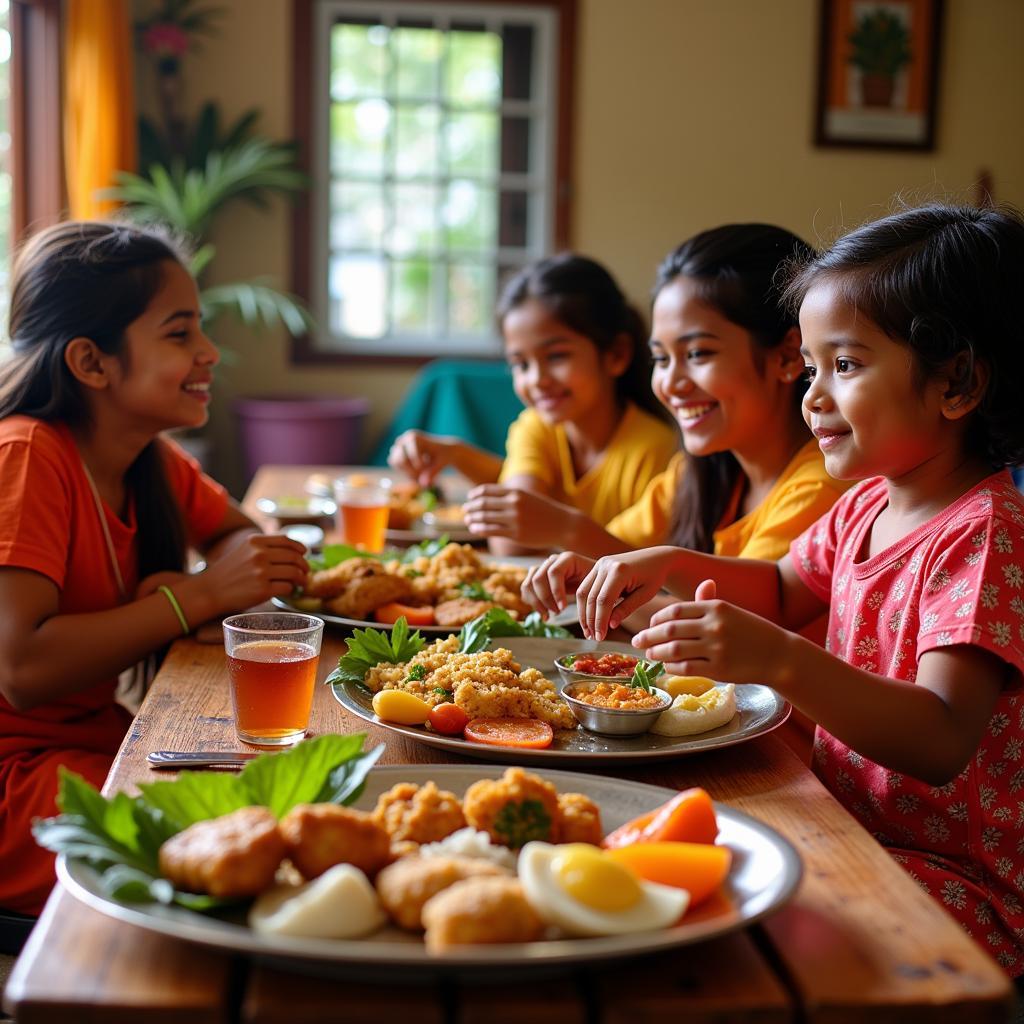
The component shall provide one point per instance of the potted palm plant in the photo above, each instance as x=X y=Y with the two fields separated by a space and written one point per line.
x=880 y=49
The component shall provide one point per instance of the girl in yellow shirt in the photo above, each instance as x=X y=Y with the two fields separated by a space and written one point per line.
x=592 y=436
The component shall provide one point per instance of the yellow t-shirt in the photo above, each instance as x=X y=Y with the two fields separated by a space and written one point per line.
x=799 y=497
x=639 y=449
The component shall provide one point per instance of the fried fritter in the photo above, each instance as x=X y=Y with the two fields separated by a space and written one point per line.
x=480 y=910
x=229 y=857
x=318 y=836
x=328 y=583
x=368 y=590
x=422 y=814
x=407 y=884
x=579 y=819
x=514 y=809
x=460 y=610
x=387 y=676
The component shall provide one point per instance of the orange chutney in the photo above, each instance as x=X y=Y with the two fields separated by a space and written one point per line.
x=616 y=696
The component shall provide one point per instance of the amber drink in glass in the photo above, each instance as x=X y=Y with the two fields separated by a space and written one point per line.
x=363 y=509
x=272 y=659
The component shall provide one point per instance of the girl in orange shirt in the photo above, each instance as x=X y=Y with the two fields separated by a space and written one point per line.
x=96 y=511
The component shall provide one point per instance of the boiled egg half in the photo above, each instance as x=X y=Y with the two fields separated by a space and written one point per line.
x=581 y=890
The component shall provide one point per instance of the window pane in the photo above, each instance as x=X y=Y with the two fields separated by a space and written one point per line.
x=472 y=142
x=515 y=145
x=413 y=297
x=357 y=215
x=517 y=62
x=470 y=298
x=359 y=60
x=415 y=226
x=474 y=68
x=359 y=134
x=417 y=60
x=417 y=140
x=470 y=216
x=356 y=296
x=513 y=219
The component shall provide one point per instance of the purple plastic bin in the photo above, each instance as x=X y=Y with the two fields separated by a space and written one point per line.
x=300 y=430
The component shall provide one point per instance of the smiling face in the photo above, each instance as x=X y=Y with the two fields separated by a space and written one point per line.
x=556 y=370
x=870 y=412
x=705 y=373
x=164 y=377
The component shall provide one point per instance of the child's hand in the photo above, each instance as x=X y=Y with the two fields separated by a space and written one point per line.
x=420 y=455
x=530 y=519
x=259 y=566
x=546 y=585
x=713 y=638
x=618 y=585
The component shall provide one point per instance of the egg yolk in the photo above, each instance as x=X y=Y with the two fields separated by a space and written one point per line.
x=593 y=879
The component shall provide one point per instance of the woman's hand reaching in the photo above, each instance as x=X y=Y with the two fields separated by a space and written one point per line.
x=548 y=585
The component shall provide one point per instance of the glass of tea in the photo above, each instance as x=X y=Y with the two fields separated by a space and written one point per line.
x=362 y=502
x=272 y=658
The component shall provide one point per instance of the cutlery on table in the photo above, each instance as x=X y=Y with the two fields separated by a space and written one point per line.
x=172 y=760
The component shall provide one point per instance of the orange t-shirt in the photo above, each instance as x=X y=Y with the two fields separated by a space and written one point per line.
x=49 y=524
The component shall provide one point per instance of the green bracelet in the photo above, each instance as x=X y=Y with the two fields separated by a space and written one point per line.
x=169 y=594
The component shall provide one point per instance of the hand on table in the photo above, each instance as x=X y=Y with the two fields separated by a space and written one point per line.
x=708 y=637
x=493 y=510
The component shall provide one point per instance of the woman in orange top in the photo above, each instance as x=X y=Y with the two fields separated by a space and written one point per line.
x=96 y=511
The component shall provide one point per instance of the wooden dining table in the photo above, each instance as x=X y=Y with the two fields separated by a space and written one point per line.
x=859 y=941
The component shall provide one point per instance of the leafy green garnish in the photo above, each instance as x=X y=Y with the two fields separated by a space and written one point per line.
x=478 y=633
x=121 y=837
x=475 y=591
x=425 y=549
x=519 y=823
x=411 y=574
x=442 y=691
x=369 y=647
x=428 y=499
x=644 y=674
x=417 y=672
x=334 y=554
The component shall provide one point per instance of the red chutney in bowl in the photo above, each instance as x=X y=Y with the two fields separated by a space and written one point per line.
x=613 y=666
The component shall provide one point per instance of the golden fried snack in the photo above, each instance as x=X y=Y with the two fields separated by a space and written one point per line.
x=328 y=583
x=403 y=887
x=229 y=857
x=318 y=836
x=579 y=819
x=386 y=676
x=420 y=814
x=480 y=910
x=460 y=610
x=514 y=809
x=368 y=590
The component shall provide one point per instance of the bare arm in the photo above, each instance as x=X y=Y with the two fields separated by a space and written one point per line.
x=46 y=655
x=929 y=729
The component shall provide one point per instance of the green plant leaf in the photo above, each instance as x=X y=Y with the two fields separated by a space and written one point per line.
x=334 y=554
x=497 y=622
x=644 y=674
x=369 y=647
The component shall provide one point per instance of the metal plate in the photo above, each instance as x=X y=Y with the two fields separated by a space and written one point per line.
x=764 y=874
x=759 y=710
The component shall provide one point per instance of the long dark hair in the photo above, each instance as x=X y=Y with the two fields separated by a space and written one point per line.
x=735 y=270
x=943 y=280
x=584 y=296
x=91 y=280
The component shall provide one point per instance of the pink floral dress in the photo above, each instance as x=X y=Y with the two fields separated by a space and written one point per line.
x=957 y=579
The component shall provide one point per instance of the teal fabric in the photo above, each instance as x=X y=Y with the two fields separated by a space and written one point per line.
x=469 y=399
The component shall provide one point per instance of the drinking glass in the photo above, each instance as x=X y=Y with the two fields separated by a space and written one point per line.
x=362 y=503
x=272 y=659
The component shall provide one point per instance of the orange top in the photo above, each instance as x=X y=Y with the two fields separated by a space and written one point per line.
x=48 y=523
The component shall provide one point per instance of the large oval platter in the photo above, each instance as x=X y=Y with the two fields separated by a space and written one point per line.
x=764 y=874
x=759 y=710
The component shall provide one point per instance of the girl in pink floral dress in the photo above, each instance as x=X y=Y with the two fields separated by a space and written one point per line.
x=914 y=348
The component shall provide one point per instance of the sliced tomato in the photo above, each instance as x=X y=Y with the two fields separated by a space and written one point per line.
x=415 y=615
x=510 y=732
x=448 y=719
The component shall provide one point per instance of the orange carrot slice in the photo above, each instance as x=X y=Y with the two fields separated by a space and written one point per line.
x=689 y=817
x=510 y=732
x=699 y=868
x=415 y=615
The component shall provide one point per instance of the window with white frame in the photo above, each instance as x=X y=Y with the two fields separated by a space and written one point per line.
x=434 y=169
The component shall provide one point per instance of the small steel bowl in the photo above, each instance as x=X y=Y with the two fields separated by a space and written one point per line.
x=570 y=675
x=612 y=721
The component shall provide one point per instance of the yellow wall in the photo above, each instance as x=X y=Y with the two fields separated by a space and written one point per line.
x=689 y=113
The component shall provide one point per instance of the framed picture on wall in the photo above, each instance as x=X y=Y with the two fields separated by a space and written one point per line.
x=878 y=72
